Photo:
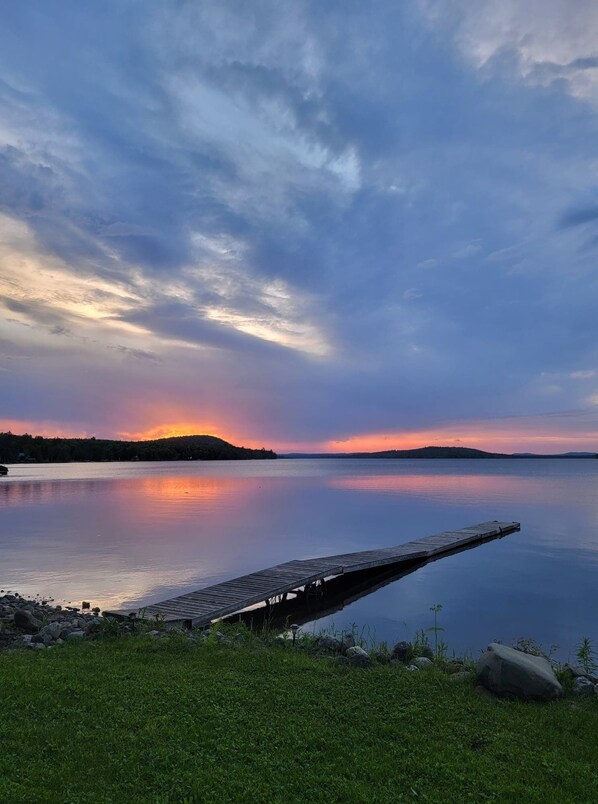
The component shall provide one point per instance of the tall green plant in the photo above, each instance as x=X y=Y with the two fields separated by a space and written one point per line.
x=436 y=609
x=586 y=655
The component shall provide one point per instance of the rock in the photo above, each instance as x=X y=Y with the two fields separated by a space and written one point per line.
x=509 y=672
x=421 y=662
x=454 y=667
x=52 y=629
x=426 y=651
x=153 y=634
x=39 y=646
x=358 y=656
x=412 y=667
x=280 y=640
x=577 y=671
x=329 y=643
x=347 y=641
x=402 y=651
x=574 y=670
x=73 y=636
x=463 y=675
x=24 y=619
x=583 y=686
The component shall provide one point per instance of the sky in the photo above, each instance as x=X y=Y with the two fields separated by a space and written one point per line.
x=301 y=225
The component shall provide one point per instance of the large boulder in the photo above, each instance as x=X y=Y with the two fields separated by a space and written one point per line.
x=512 y=673
x=25 y=620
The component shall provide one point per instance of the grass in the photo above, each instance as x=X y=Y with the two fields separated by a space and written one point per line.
x=141 y=720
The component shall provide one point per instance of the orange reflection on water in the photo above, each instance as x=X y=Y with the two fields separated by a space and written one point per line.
x=181 y=489
x=133 y=494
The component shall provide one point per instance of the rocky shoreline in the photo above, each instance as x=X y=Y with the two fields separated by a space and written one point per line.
x=36 y=624
x=500 y=672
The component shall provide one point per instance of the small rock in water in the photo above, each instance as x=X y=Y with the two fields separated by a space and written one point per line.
x=85 y=605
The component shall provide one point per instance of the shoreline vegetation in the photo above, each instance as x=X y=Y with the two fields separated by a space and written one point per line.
x=37 y=449
x=226 y=714
x=15 y=449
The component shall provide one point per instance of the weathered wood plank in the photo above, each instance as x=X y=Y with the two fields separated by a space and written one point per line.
x=228 y=597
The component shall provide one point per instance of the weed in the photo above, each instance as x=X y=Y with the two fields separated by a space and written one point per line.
x=586 y=655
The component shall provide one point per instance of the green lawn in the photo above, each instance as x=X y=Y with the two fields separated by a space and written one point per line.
x=142 y=720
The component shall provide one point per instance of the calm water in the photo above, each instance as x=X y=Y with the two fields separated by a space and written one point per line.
x=131 y=534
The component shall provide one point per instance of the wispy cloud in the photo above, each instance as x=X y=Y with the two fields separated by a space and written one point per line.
x=299 y=224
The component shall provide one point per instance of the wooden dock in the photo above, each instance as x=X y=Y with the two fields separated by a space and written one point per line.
x=213 y=602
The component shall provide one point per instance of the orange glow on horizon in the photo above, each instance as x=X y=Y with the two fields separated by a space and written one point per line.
x=492 y=436
x=541 y=434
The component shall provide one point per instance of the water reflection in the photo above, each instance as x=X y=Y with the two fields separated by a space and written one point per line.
x=131 y=534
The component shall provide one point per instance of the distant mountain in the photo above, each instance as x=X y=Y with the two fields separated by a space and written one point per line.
x=435 y=452
x=36 y=449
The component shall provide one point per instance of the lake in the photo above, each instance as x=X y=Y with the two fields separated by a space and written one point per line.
x=128 y=534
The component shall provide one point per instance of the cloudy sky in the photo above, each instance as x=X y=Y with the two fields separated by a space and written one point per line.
x=318 y=225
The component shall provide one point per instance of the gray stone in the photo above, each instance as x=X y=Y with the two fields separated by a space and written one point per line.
x=280 y=640
x=583 y=686
x=421 y=662
x=39 y=646
x=73 y=636
x=52 y=629
x=153 y=633
x=463 y=675
x=329 y=642
x=358 y=656
x=402 y=651
x=575 y=670
x=509 y=672
x=24 y=619
x=412 y=667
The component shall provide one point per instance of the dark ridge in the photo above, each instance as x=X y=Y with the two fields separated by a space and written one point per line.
x=435 y=452
x=37 y=449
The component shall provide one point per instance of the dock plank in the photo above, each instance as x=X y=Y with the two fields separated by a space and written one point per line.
x=202 y=606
